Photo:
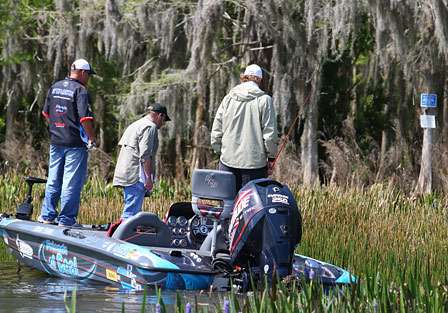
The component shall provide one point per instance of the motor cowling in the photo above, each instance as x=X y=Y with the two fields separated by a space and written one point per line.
x=265 y=228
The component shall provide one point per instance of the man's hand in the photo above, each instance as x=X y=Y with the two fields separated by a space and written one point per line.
x=91 y=145
x=148 y=184
x=270 y=166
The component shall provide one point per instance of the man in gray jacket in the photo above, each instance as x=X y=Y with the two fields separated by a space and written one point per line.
x=244 y=131
x=135 y=169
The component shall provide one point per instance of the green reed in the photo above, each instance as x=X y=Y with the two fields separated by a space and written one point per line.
x=300 y=297
x=5 y=256
x=396 y=244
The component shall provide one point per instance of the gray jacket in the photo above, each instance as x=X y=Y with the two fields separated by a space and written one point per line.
x=244 y=131
x=138 y=144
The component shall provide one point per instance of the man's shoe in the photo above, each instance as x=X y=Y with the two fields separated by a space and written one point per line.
x=40 y=219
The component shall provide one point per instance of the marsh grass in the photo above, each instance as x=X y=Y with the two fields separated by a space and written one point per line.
x=397 y=245
x=5 y=256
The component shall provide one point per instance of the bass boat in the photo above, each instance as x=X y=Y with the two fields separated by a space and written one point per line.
x=218 y=240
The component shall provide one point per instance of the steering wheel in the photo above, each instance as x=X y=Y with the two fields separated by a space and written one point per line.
x=199 y=229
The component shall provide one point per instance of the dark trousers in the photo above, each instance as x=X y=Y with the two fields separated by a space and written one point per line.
x=243 y=175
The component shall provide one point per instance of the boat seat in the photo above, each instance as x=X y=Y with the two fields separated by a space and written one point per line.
x=213 y=193
x=144 y=229
x=212 y=196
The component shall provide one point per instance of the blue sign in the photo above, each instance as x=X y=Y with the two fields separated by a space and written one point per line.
x=428 y=100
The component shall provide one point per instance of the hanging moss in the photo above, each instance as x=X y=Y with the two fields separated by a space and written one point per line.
x=188 y=54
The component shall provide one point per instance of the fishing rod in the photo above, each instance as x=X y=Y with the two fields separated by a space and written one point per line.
x=286 y=138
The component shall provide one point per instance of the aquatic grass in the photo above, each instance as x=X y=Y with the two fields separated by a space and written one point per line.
x=303 y=297
x=383 y=236
x=101 y=202
x=394 y=243
x=5 y=256
x=70 y=307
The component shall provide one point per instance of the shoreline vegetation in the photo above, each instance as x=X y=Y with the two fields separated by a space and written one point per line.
x=351 y=73
x=395 y=244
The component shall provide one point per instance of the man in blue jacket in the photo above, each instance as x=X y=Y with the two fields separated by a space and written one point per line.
x=70 y=119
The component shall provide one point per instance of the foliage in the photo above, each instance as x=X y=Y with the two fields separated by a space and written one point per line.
x=362 y=62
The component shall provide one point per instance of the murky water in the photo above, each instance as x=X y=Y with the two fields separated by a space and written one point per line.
x=27 y=290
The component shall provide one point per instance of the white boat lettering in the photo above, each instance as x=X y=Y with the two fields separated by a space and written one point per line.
x=279 y=198
x=53 y=247
x=63 y=265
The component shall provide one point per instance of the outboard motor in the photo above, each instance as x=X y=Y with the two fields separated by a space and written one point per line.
x=265 y=229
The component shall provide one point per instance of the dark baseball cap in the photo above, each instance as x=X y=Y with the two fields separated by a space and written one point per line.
x=157 y=107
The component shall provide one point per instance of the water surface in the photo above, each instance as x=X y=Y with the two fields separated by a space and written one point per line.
x=25 y=290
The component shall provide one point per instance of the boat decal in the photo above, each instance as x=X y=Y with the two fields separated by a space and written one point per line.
x=126 y=272
x=126 y=285
x=195 y=257
x=310 y=267
x=150 y=274
x=135 y=285
x=279 y=198
x=25 y=250
x=142 y=255
x=54 y=247
x=7 y=221
x=131 y=286
x=112 y=275
x=346 y=278
x=108 y=246
x=56 y=259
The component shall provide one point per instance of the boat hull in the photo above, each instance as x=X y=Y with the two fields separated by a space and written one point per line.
x=91 y=255
x=86 y=254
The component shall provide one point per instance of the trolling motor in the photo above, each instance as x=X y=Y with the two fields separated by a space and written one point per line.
x=25 y=209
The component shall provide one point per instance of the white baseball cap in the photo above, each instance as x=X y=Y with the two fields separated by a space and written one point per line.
x=254 y=70
x=82 y=64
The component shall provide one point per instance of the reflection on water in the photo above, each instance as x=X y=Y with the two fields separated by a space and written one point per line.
x=28 y=290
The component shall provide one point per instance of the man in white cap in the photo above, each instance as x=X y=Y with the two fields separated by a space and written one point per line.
x=70 y=119
x=244 y=130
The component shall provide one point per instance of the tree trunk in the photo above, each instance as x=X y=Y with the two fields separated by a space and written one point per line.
x=198 y=160
x=350 y=121
x=11 y=112
x=309 y=154
x=424 y=184
x=445 y=112
x=180 y=166
x=309 y=148
x=99 y=114
x=206 y=23
x=383 y=149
